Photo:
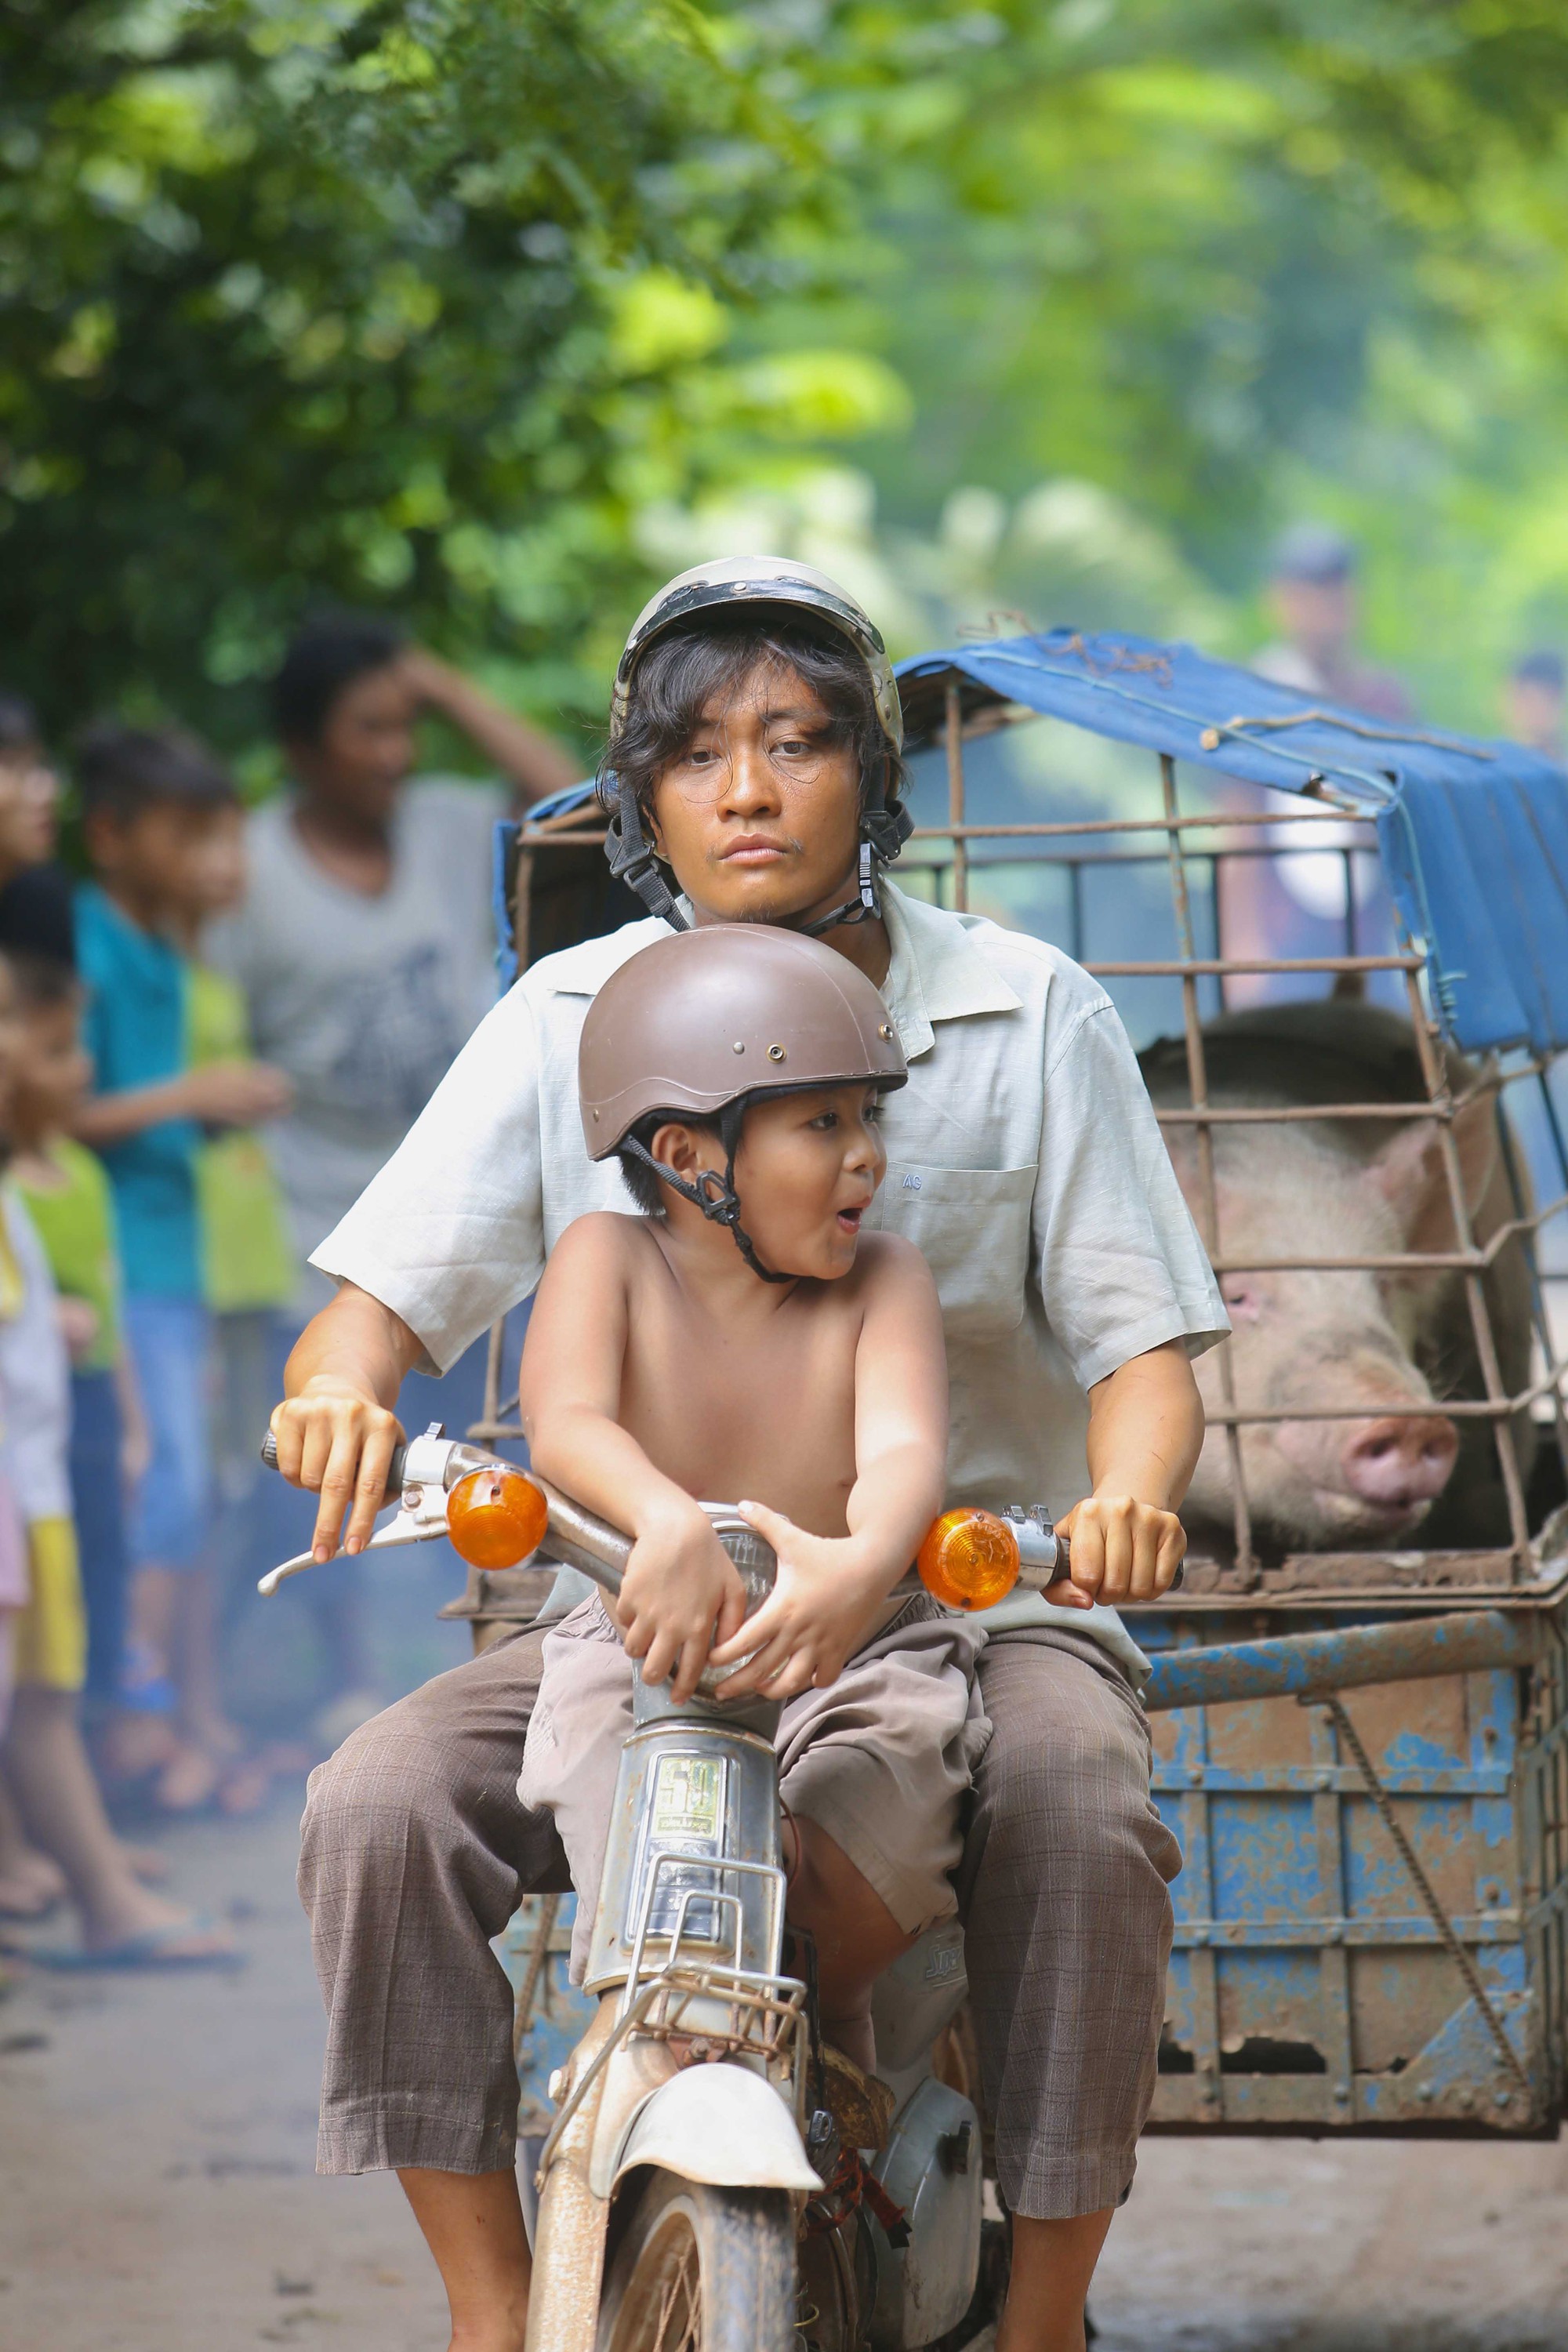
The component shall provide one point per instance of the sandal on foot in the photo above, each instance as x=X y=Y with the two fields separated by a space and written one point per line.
x=155 y=1947
x=30 y=1897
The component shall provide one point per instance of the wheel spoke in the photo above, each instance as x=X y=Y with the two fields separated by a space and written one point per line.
x=700 y=2270
x=685 y=2289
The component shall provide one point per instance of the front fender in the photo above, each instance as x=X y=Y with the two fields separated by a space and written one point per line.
x=719 y=2124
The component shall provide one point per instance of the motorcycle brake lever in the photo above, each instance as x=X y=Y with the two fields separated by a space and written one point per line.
x=419 y=1474
x=423 y=1523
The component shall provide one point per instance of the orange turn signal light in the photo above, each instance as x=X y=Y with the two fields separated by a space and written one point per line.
x=968 y=1559
x=496 y=1517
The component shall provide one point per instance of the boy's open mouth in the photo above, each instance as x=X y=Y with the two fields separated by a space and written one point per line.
x=850 y=1220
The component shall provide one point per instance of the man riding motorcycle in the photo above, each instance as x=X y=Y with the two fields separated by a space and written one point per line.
x=752 y=776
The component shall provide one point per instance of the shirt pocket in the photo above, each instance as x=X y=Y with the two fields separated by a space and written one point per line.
x=972 y=1227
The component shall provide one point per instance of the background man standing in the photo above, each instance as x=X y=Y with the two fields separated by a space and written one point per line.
x=364 y=944
x=1312 y=597
x=1533 y=701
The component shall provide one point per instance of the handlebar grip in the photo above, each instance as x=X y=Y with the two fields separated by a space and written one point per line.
x=395 y=1468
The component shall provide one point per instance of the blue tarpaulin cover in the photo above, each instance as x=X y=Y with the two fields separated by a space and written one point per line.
x=1473 y=834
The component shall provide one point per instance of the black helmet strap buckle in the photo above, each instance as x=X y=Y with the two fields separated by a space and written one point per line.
x=885 y=827
x=864 y=908
x=715 y=1195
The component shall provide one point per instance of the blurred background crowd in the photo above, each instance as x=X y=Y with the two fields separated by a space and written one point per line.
x=333 y=333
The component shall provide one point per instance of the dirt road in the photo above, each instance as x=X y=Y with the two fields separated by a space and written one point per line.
x=156 y=2190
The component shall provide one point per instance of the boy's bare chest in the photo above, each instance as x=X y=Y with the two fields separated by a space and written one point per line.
x=766 y=1414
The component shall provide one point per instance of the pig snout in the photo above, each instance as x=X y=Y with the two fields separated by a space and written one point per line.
x=1378 y=1475
x=1400 y=1465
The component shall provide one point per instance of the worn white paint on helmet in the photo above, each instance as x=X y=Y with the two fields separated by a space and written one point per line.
x=763 y=580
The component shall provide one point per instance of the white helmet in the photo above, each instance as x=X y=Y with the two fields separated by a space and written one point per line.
x=763 y=580
x=766 y=580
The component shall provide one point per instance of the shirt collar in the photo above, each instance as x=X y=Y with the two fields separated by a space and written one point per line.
x=583 y=970
x=935 y=973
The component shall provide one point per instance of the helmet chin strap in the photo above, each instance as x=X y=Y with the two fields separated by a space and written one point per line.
x=885 y=827
x=632 y=861
x=714 y=1196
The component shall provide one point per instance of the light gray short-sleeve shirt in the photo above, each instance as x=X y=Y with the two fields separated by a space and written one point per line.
x=364 y=1002
x=1023 y=1160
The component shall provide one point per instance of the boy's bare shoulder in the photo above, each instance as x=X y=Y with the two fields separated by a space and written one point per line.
x=887 y=1262
x=603 y=1238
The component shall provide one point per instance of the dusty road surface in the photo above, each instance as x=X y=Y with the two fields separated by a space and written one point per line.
x=156 y=2190
x=157 y=2146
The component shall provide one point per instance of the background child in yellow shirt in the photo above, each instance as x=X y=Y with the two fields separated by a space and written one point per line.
x=46 y=1765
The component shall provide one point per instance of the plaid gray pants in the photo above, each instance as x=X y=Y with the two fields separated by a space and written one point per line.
x=416 y=1851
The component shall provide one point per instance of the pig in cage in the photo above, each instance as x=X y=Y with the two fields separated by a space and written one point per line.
x=1387 y=1214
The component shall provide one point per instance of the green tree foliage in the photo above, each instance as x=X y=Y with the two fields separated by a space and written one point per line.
x=486 y=309
x=1223 y=261
x=305 y=299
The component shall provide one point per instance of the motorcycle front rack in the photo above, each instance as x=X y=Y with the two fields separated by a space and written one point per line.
x=776 y=1886
x=765 y=2010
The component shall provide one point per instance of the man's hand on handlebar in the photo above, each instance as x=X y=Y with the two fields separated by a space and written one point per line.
x=1121 y=1550
x=336 y=1441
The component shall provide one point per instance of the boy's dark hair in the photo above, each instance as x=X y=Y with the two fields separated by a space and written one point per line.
x=120 y=771
x=328 y=652
x=713 y=653
x=42 y=981
x=18 y=723
x=646 y=1190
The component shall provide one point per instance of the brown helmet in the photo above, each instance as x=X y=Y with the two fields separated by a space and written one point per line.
x=704 y=1020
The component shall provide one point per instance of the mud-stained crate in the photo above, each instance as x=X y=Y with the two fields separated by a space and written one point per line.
x=1341 y=948
x=1314 y=1981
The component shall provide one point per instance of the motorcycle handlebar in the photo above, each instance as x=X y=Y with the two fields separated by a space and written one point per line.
x=395 y=1468
x=578 y=1538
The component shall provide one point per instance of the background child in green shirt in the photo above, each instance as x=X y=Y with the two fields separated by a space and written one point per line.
x=46 y=1766
x=69 y=1200
x=154 y=802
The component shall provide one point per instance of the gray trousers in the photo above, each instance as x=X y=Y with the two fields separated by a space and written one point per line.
x=416 y=1851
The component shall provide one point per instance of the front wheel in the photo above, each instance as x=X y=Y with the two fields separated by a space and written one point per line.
x=700 y=2269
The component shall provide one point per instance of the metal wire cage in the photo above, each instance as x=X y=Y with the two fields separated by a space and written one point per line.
x=1202 y=854
x=1370 y=1929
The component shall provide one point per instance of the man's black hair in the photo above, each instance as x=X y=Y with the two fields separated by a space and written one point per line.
x=650 y=1193
x=120 y=771
x=712 y=653
x=328 y=652
x=42 y=981
x=19 y=729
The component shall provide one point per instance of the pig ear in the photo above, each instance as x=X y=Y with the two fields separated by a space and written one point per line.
x=1409 y=1173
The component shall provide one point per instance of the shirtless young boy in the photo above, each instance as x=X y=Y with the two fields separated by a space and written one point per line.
x=744 y=1341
